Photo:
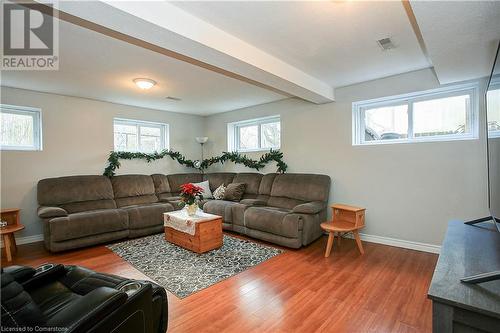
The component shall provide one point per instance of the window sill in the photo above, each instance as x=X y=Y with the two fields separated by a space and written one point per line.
x=428 y=140
x=257 y=150
x=20 y=149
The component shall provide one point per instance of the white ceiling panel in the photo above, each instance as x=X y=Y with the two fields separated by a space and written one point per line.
x=99 y=67
x=334 y=41
x=461 y=37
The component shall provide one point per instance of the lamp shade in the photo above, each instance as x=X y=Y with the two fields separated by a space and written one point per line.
x=201 y=139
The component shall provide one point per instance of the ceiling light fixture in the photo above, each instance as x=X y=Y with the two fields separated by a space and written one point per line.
x=144 y=84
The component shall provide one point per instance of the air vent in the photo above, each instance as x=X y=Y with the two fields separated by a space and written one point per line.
x=386 y=44
x=172 y=98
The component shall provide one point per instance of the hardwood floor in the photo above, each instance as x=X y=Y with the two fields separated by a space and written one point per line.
x=299 y=291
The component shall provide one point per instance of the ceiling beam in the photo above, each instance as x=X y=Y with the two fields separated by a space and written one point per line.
x=164 y=28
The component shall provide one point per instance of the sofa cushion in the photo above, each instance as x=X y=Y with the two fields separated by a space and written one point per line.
x=207 y=193
x=234 y=191
x=176 y=180
x=147 y=215
x=161 y=183
x=266 y=184
x=221 y=208
x=168 y=197
x=88 y=192
x=299 y=186
x=87 y=224
x=133 y=190
x=252 y=183
x=216 y=179
x=219 y=192
x=283 y=202
x=313 y=207
x=84 y=206
x=278 y=221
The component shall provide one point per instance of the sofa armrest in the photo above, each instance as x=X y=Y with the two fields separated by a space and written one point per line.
x=313 y=207
x=89 y=310
x=48 y=212
x=20 y=273
x=253 y=202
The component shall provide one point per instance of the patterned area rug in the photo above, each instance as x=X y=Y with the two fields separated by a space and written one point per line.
x=183 y=272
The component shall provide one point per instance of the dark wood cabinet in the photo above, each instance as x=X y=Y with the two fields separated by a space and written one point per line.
x=457 y=306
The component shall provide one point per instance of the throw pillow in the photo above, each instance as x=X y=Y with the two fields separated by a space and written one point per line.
x=219 y=192
x=207 y=194
x=234 y=191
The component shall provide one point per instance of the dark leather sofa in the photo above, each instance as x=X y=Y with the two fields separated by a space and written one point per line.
x=79 y=211
x=57 y=298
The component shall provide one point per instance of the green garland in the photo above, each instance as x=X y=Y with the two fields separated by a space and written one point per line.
x=273 y=155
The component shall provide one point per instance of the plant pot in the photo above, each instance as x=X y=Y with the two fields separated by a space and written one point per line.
x=191 y=209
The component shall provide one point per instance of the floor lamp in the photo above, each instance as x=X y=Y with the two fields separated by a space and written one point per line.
x=201 y=140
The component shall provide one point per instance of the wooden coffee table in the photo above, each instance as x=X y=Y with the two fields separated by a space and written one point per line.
x=207 y=229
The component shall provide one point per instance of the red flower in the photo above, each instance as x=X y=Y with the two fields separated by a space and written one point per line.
x=190 y=193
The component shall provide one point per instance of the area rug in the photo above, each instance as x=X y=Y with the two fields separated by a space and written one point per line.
x=183 y=272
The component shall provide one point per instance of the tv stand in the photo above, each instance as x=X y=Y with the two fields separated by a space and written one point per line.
x=482 y=219
x=483 y=277
x=467 y=307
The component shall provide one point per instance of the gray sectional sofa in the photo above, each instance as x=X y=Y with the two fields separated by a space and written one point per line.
x=79 y=211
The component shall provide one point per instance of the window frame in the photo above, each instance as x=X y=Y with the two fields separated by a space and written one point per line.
x=233 y=131
x=359 y=108
x=36 y=114
x=496 y=84
x=164 y=133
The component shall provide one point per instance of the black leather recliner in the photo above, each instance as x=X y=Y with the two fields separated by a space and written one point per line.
x=59 y=298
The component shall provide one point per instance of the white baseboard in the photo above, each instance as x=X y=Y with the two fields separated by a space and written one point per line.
x=27 y=239
x=424 y=247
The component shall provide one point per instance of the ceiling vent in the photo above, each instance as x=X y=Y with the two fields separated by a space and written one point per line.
x=172 y=98
x=386 y=44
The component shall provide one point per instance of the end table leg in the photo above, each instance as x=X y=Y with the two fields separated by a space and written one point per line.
x=329 y=244
x=13 y=242
x=6 y=241
x=358 y=241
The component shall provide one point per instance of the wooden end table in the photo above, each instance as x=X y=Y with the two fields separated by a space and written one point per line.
x=11 y=216
x=206 y=230
x=345 y=219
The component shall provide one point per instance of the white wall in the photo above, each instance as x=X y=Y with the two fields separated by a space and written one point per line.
x=77 y=139
x=410 y=191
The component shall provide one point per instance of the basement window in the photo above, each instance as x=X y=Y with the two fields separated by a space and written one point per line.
x=139 y=136
x=493 y=107
x=443 y=114
x=259 y=134
x=20 y=128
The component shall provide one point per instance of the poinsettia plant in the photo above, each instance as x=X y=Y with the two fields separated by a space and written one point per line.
x=190 y=193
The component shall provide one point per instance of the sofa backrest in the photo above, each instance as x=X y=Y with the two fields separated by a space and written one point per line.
x=291 y=189
x=252 y=181
x=266 y=184
x=217 y=178
x=161 y=183
x=133 y=190
x=176 y=180
x=76 y=193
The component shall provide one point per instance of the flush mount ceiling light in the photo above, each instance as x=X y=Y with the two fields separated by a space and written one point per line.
x=144 y=84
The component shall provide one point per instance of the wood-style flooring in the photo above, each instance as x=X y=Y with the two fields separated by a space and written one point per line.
x=383 y=290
